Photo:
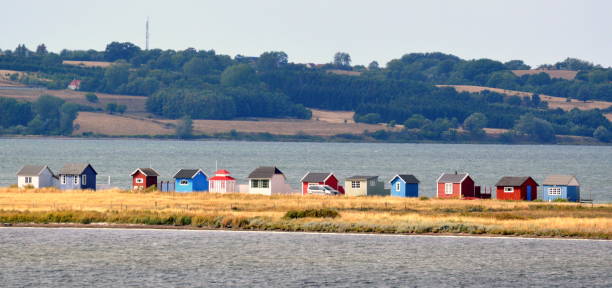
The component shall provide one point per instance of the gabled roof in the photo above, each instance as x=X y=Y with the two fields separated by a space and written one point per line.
x=360 y=177
x=188 y=173
x=265 y=172
x=316 y=177
x=407 y=178
x=222 y=171
x=452 y=178
x=33 y=170
x=512 y=181
x=75 y=169
x=146 y=172
x=222 y=175
x=564 y=180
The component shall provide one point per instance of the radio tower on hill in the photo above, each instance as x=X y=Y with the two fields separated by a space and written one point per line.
x=147 y=35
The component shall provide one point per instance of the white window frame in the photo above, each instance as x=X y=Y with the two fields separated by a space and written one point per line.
x=28 y=180
x=398 y=186
x=265 y=183
x=448 y=188
x=139 y=180
x=63 y=179
x=508 y=189
x=254 y=183
x=356 y=184
x=372 y=182
x=554 y=191
x=84 y=179
x=184 y=182
x=75 y=179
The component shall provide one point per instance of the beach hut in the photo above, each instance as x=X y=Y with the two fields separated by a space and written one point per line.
x=364 y=186
x=561 y=187
x=316 y=178
x=77 y=176
x=517 y=188
x=404 y=185
x=268 y=180
x=190 y=180
x=455 y=185
x=35 y=176
x=222 y=182
x=143 y=178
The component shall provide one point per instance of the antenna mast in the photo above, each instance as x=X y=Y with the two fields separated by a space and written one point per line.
x=147 y=35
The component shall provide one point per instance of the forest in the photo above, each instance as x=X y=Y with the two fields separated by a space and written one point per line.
x=202 y=84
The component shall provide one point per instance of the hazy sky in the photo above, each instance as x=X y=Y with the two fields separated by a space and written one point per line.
x=535 y=31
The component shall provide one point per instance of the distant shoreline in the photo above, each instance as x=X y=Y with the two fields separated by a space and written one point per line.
x=113 y=226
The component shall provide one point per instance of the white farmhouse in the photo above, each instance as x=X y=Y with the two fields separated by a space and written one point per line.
x=268 y=181
x=36 y=177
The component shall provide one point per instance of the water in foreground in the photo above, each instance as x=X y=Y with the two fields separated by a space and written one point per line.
x=153 y=258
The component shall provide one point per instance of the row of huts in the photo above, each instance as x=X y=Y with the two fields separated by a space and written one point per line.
x=269 y=180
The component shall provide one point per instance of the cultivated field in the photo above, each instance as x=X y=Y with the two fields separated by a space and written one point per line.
x=563 y=74
x=88 y=63
x=356 y=214
x=119 y=125
x=553 y=102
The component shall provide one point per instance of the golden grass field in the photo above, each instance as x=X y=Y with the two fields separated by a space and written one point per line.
x=88 y=63
x=553 y=102
x=563 y=74
x=357 y=214
x=118 y=125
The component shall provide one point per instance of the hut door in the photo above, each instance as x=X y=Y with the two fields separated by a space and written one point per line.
x=529 y=193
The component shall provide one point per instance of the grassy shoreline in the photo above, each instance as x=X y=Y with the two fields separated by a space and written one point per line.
x=386 y=215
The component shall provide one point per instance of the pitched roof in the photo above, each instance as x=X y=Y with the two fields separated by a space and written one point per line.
x=222 y=171
x=187 y=173
x=265 y=172
x=566 y=180
x=315 y=177
x=75 y=169
x=361 y=177
x=452 y=178
x=146 y=172
x=32 y=170
x=408 y=178
x=512 y=181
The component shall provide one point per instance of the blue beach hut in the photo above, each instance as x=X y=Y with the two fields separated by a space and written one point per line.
x=190 y=180
x=76 y=176
x=404 y=185
x=561 y=187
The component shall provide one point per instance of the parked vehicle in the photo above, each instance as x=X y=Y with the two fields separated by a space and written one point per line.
x=322 y=190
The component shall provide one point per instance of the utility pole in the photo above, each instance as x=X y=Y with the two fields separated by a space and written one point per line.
x=147 y=35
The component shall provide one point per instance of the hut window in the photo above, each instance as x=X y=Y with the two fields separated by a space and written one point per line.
x=264 y=183
x=184 y=182
x=554 y=191
x=63 y=179
x=28 y=180
x=398 y=186
x=75 y=179
x=372 y=182
x=509 y=189
x=448 y=188
x=254 y=183
x=84 y=180
x=355 y=184
x=139 y=180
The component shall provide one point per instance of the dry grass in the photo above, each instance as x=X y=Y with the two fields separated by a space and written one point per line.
x=553 y=102
x=609 y=116
x=102 y=123
x=563 y=74
x=88 y=63
x=333 y=116
x=357 y=214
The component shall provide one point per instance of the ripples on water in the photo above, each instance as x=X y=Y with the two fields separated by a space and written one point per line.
x=486 y=163
x=153 y=258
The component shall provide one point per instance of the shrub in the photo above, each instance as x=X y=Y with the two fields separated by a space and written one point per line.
x=559 y=200
x=423 y=198
x=316 y=213
x=91 y=97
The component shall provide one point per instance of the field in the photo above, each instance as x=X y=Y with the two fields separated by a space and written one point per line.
x=119 y=125
x=356 y=214
x=88 y=63
x=553 y=102
x=563 y=74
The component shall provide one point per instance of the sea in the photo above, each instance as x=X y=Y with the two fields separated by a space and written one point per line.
x=116 y=159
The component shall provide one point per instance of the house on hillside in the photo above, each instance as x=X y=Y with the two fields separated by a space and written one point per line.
x=74 y=85
x=222 y=182
x=364 y=186
x=456 y=185
x=517 y=188
x=316 y=178
x=268 y=180
x=77 y=176
x=561 y=187
x=190 y=180
x=36 y=177
x=143 y=178
x=404 y=185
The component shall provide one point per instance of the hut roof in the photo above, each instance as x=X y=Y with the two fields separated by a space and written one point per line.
x=265 y=172
x=32 y=170
x=187 y=173
x=75 y=169
x=408 y=178
x=146 y=172
x=452 y=178
x=315 y=177
x=512 y=181
x=565 y=180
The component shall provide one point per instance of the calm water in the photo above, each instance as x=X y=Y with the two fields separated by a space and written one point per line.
x=155 y=258
x=486 y=163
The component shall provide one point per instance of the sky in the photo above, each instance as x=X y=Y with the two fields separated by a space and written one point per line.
x=312 y=31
